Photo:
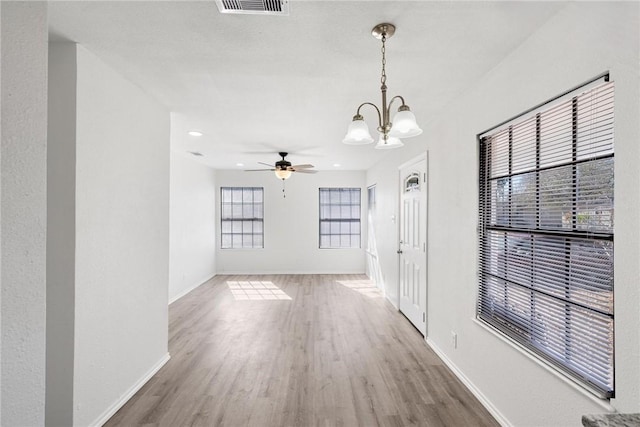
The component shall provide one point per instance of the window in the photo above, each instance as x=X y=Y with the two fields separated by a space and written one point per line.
x=412 y=183
x=339 y=218
x=546 y=234
x=241 y=217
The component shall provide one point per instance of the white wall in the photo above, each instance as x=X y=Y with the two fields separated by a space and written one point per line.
x=122 y=237
x=23 y=211
x=61 y=230
x=192 y=225
x=119 y=142
x=580 y=42
x=291 y=225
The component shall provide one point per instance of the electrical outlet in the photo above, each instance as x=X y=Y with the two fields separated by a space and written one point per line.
x=454 y=339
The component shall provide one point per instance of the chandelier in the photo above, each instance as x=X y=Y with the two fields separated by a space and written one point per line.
x=404 y=122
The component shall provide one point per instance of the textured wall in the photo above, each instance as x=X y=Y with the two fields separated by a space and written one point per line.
x=61 y=219
x=122 y=237
x=23 y=216
x=192 y=257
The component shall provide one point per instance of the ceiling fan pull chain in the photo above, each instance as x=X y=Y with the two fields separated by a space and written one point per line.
x=284 y=195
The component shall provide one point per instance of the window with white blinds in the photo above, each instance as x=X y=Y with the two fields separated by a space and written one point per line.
x=339 y=218
x=546 y=234
x=241 y=217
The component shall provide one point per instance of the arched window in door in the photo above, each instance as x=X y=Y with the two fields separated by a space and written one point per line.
x=412 y=183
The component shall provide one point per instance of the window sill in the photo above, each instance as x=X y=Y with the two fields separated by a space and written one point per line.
x=241 y=249
x=341 y=249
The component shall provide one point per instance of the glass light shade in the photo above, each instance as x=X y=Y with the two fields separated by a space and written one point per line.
x=283 y=174
x=390 y=143
x=404 y=125
x=358 y=133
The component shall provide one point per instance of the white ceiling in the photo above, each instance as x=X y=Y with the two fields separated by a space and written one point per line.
x=256 y=85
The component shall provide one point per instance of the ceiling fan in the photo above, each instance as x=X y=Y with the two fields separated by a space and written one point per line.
x=283 y=168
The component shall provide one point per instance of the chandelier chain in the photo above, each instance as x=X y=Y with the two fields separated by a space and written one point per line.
x=383 y=77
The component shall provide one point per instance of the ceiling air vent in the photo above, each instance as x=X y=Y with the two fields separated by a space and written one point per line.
x=254 y=7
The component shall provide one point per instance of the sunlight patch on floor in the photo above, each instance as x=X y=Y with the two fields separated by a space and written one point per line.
x=365 y=287
x=256 y=290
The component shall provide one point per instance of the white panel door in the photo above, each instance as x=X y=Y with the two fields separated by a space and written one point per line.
x=413 y=243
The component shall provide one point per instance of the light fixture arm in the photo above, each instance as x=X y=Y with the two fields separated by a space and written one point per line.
x=358 y=116
x=384 y=118
x=391 y=102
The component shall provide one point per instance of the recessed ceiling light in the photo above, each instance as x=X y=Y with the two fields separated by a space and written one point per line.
x=239 y=164
x=336 y=165
x=195 y=133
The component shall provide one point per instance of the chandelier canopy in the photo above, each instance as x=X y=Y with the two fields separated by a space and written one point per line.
x=404 y=122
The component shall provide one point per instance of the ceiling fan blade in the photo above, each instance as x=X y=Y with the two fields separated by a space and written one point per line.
x=266 y=164
x=305 y=171
x=307 y=166
x=258 y=170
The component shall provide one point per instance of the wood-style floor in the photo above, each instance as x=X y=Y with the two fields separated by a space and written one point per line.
x=297 y=350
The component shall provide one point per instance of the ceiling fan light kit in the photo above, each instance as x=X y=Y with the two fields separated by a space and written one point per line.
x=283 y=168
x=404 y=123
x=283 y=174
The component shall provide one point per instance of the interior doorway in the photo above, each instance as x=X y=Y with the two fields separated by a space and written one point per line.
x=412 y=246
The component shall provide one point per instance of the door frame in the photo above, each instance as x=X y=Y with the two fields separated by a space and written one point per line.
x=423 y=156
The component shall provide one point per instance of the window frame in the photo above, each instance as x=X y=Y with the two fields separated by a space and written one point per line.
x=505 y=323
x=340 y=220
x=241 y=218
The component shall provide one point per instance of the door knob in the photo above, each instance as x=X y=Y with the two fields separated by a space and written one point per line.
x=399 y=251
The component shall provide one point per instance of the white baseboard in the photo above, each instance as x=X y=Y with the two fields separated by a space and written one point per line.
x=129 y=393
x=393 y=303
x=183 y=293
x=501 y=419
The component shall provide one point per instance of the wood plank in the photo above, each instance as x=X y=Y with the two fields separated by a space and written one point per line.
x=335 y=354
